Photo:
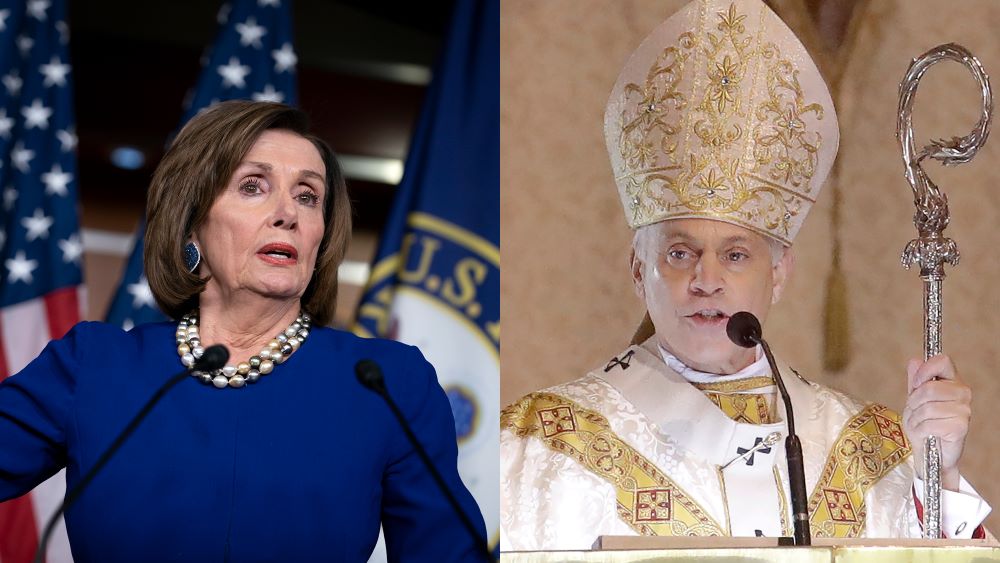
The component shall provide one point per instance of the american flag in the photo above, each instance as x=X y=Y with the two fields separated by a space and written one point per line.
x=252 y=58
x=40 y=291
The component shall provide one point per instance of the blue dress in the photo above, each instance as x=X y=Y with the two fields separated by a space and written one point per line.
x=300 y=466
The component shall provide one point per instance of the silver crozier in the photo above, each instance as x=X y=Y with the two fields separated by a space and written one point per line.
x=931 y=249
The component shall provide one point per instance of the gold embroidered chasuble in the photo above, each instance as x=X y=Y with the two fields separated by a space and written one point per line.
x=633 y=448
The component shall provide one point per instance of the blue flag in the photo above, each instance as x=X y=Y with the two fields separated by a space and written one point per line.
x=435 y=281
x=252 y=58
x=40 y=238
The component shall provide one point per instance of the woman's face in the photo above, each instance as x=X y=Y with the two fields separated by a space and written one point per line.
x=263 y=232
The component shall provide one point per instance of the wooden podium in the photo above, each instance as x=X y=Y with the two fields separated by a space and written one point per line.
x=619 y=549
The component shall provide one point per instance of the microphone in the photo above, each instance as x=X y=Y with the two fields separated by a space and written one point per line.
x=212 y=359
x=744 y=330
x=370 y=375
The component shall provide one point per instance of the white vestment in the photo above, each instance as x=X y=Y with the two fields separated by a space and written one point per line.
x=634 y=448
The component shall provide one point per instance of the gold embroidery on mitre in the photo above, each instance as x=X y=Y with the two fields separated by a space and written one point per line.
x=871 y=444
x=720 y=125
x=647 y=500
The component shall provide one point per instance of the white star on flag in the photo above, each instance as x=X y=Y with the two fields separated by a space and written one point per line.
x=284 y=58
x=13 y=83
x=38 y=225
x=67 y=138
x=22 y=157
x=9 y=197
x=19 y=268
x=36 y=8
x=71 y=248
x=250 y=33
x=234 y=73
x=274 y=3
x=269 y=95
x=25 y=43
x=141 y=294
x=3 y=19
x=56 y=181
x=5 y=124
x=55 y=72
x=36 y=115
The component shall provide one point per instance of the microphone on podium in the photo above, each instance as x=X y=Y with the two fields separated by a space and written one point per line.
x=369 y=374
x=744 y=330
x=213 y=358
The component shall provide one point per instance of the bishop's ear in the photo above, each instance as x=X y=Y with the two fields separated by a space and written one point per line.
x=636 y=265
x=781 y=273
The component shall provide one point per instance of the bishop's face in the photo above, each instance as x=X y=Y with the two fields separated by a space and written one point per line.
x=693 y=275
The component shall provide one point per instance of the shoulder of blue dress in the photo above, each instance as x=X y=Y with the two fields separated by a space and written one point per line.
x=373 y=347
x=101 y=329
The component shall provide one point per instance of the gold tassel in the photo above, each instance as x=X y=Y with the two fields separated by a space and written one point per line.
x=837 y=340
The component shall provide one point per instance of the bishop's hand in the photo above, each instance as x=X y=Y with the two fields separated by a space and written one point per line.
x=938 y=404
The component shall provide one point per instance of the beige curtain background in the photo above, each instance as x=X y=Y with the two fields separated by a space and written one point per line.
x=568 y=303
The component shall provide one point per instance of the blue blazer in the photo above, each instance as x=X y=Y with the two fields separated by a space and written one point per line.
x=301 y=466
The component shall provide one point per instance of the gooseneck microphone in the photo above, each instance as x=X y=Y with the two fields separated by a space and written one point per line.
x=744 y=330
x=212 y=359
x=370 y=375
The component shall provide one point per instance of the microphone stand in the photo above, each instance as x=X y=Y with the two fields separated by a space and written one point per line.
x=793 y=454
x=369 y=374
x=209 y=358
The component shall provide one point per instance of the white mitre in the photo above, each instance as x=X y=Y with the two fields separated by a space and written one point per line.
x=721 y=114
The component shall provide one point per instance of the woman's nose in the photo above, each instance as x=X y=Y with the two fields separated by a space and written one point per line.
x=285 y=214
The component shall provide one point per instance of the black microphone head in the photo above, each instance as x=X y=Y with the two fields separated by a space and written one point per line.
x=743 y=329
x=370 y=375
x=214 y=357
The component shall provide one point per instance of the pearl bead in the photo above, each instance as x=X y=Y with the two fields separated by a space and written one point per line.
x=277 y=351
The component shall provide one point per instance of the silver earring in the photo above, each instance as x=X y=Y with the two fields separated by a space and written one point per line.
x=192 y=256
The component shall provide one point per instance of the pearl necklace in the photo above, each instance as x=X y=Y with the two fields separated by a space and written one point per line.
x=276 y=351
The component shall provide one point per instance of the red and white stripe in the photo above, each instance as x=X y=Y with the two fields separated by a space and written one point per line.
x=25 y=329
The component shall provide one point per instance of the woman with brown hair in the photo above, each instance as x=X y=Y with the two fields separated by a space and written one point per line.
x=281 y=455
